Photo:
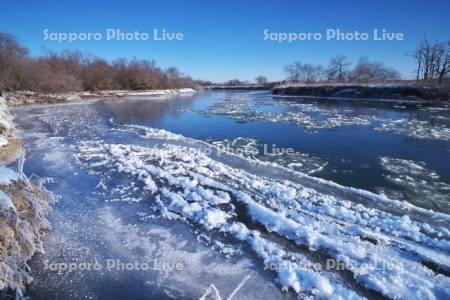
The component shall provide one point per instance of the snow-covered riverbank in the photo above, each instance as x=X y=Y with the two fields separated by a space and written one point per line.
x=366 y=92
x=24 y=206
x=27 y=97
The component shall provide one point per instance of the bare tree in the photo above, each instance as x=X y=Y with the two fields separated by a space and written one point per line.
x=138 y=74
x=338 y=68
x=304 y=72
x=443 y=61
x=432 y=59
x=294 y=71
x=366 y=70
x=177 y=79
x=70 y=70
x=98 y=75
x=261 y=80
x=418 y=55
x=55 y=72
x=312 y=73
x=234 y=82
x=12 y=59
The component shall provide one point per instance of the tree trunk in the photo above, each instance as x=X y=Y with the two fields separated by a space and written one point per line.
x=441 y=77
x=418 y=70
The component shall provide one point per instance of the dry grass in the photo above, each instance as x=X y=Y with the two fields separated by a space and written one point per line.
x=21 y=231
x=24 y=207
x=11 y=152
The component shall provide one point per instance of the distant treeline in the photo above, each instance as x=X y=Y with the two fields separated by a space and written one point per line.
x=72 y=70
x=339 y=70
x=432 y=61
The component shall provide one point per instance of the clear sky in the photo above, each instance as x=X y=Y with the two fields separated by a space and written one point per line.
x=224 y=39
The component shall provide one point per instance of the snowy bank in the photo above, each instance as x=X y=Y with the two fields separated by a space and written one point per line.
x=364 y=91
x=28 y=97
x=24 y=206
x=238 y=87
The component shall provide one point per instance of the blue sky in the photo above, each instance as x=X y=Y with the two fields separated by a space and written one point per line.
x=224 y=40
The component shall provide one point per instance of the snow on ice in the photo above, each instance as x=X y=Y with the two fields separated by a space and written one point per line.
x=300 y=220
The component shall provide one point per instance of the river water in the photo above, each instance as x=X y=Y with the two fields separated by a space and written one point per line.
x=226 y=185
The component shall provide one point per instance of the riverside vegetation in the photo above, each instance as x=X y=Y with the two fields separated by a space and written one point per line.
x=24 y=205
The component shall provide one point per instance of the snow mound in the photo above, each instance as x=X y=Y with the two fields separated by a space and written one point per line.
x=155 y=92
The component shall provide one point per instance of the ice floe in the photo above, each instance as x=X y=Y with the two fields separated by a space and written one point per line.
x=313 y=116
x=415 y=128
x=306 y=115
x=416 y=181
x=253 y=149
x=285 y=221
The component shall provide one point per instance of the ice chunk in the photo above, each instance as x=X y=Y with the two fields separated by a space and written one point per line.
x=6 y=202
x=3 y=141
x=8 y=176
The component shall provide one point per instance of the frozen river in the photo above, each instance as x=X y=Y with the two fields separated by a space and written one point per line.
x=164 y=197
